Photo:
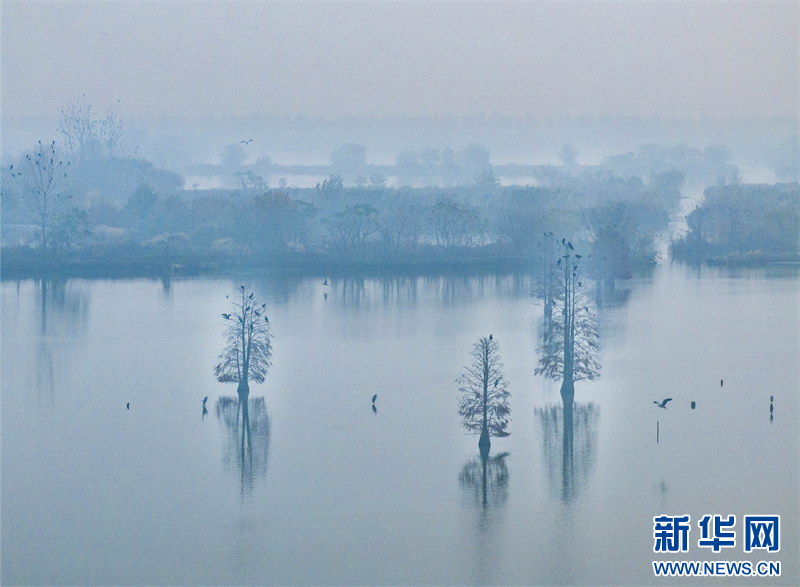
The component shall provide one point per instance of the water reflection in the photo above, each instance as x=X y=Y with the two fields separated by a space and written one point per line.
x=569 y=440
x=247 y=441
x=452 y=289
x=484 y=480
x=63 y=308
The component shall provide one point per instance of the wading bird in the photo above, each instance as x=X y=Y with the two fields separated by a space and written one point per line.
x=663 y=404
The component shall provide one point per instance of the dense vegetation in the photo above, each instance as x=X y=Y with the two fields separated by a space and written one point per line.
x=89 y=204
x=743 y=223
x=332 y=224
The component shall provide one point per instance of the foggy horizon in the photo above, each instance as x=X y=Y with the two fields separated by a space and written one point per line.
x=538 y=60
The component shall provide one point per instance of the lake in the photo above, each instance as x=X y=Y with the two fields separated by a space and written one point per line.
x=324 y=490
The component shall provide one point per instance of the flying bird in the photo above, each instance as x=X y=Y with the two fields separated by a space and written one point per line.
x=205 y=399
x=720 y=382
x=663 y=404
x=246 y=142
x=226 y=316
x=374 y=397
x=128 y=405
x=325 y=282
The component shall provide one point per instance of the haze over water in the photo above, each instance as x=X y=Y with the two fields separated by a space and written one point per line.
x=327 y=491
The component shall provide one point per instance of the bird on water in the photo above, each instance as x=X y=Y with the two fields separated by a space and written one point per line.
x=663 y=404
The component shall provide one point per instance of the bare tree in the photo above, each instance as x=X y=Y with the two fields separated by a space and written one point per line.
x=248 y=350
x=350 y=228
x=400 y=229
x=569 y=344
x=612 y=228
x=86 y=133
x=454 y=224
x=483 y=404
x=42 y=174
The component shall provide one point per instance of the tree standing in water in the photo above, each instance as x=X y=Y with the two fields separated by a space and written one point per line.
x=569 y=344
x=484 y=393
x=248 y=350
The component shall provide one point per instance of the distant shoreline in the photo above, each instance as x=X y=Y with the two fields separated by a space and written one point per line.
x=315 y=265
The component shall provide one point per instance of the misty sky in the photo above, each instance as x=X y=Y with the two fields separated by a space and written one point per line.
x=537 y=59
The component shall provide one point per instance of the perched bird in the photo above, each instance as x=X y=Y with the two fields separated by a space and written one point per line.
x=374 y=397
x=577 y=256
x=496 y=383
x=205 y=399
x=570 y=246
x=128 y=405
x=490 y=337
x=663 y=404
x=720 y=382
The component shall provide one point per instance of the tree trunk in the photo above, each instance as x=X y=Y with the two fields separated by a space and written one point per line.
x=567 y=392
x=484 y=443
x=244 y=391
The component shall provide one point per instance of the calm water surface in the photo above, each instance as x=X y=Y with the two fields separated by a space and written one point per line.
x=326 y=491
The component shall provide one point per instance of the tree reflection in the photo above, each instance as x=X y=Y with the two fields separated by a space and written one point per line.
x=486 y=479
x=569 y=440
x=62 y=309
x=247 y=427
